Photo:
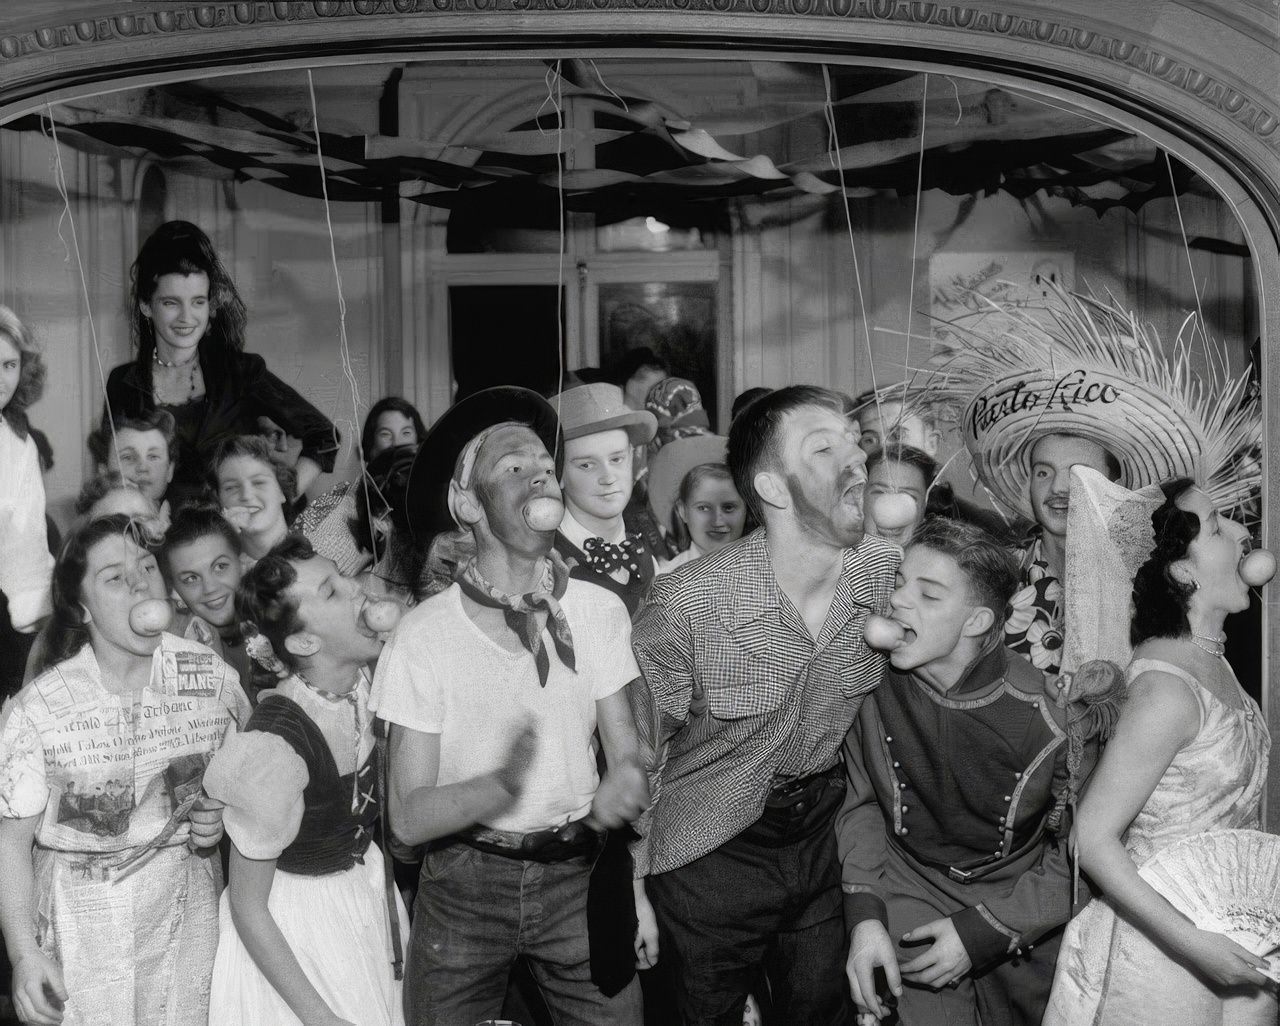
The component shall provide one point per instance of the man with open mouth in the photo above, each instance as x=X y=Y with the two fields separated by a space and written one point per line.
x=754 y=667
x=958 y=769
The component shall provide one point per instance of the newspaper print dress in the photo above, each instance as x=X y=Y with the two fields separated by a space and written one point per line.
x=120 y=902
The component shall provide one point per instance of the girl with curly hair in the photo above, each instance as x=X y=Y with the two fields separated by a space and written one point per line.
x=1188 y=757
x=188 y=326
x=25 y=564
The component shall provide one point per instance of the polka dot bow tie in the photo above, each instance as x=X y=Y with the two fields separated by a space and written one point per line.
x=605 y=557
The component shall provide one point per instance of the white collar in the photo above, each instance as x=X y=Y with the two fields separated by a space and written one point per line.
x=578 y=535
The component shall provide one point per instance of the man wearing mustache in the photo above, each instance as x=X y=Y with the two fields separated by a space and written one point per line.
x=494 y=688
x=754 y=668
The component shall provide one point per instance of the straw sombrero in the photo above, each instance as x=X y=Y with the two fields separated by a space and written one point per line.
x=1089 y=368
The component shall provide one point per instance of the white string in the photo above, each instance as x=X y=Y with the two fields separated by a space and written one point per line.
x=344 y=346
x=959 y=105
x=915 y=237
x=1186 y=247
x=833 y=155
x=607 y=89
x=557 y=102
x=60 y=180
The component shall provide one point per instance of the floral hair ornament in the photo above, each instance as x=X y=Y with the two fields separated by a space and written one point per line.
x=1088 y=367
x=260 y=650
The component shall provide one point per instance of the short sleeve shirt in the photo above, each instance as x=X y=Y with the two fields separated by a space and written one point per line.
x=441 y=674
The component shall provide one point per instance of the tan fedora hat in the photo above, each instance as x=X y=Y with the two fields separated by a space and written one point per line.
x=589 y=409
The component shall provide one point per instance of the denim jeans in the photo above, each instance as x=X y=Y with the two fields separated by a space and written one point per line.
x=475 y=913
x=769 y=899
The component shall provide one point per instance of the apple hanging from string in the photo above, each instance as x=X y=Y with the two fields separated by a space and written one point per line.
x=543 y=512
x=1257 y=568
x=150 y=617
x=893 y=510
x=381 y=615
x=883 y=634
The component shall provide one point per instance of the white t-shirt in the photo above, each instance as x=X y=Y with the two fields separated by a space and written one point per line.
x=441 y=674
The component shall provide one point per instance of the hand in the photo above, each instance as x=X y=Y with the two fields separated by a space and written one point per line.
x=943 y=962
x=206 y=822
x=1225 y=962
x=515 y=765
x=237 y=516
x=38 y=991
x=646 y=929
x=622 y=795
x=870 y=949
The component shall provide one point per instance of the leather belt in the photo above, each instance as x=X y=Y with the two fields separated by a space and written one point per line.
x=573 y=840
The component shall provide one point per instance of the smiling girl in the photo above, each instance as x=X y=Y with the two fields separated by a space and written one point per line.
x=188 y=327
x=201 y=559
x=709 y=513
x=109 y=910
x=25 y=563
x=254 y=492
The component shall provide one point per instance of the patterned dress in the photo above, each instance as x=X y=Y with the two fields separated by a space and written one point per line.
x=1109 y=972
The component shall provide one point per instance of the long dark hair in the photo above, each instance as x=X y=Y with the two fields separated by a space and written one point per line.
x=382 y=492
x=68 y=632
x=179 y=247
x=390 y=404
x=1160 y=600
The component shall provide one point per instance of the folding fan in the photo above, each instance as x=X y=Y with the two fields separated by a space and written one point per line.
x=1227 y=881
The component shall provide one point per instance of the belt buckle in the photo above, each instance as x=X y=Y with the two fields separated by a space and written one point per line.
x=959 y=875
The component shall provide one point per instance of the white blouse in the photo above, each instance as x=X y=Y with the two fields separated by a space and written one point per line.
x=26 y=568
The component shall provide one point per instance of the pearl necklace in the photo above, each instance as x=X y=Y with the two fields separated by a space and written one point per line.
x=1214 y=646
x=193 y=363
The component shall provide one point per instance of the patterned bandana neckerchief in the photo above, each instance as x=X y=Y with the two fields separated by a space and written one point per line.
x=520 y=611
x=605 y=557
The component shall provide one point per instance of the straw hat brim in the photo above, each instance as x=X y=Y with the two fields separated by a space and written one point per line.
x=1150 y=436
x=673 y=461
x=427 y=490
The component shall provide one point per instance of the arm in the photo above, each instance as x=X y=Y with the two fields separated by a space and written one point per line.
x=422 y=811
x=248 y=891
x=38 y=989
x=1159 y=718
x=307 y=470
x=862 y=845
x=660 y=698
x=272 y=398
x=623 y=794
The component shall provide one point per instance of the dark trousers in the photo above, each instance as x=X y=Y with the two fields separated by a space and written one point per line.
x=766 y=902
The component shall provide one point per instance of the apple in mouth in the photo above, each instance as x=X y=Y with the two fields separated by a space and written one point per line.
x=150 y=617
x=893 y=510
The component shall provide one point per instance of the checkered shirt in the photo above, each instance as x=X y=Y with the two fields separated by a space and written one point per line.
x=736 y=694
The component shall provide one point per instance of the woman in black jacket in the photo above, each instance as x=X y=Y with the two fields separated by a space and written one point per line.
x=188 y=326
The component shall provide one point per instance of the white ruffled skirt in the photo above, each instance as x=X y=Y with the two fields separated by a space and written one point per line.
x=338 y=929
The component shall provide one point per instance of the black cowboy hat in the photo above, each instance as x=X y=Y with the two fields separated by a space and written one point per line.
x=427 y=491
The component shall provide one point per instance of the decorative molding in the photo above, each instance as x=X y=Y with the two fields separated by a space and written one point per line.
x=1231 y=99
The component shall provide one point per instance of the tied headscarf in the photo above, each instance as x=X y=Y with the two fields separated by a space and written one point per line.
x=520 y=611
x=677 y=405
